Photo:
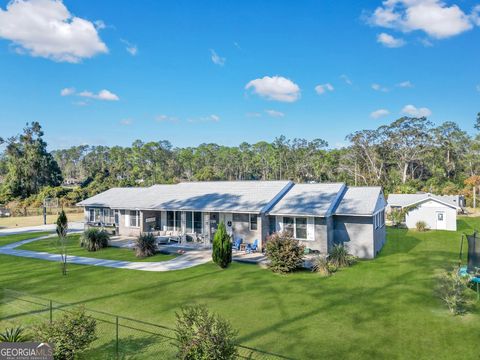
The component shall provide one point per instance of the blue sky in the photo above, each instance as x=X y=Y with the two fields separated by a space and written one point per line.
x=179 y=70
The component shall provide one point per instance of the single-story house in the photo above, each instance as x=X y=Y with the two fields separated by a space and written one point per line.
x=318 y=215
x=439 y=212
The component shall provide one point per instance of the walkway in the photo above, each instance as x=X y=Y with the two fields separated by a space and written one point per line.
x=73 y=226
x=187 y=260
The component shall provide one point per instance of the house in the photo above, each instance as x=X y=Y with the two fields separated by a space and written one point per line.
x=439 y=212
x=318 y=215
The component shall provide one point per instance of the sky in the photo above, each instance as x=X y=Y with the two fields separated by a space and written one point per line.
x=192 y=72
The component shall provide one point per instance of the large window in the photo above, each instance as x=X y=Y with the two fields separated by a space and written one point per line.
x=253 y=222
x=301 y=228
x=134 y=218
x=194 y=222
x=178 y=220
x=296 y=227
x=170 y=220
x=174 y=221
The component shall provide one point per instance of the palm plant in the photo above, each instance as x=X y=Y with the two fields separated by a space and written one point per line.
x=12 y=335
x=93 y=239
x=145 y=245
x=339 y=257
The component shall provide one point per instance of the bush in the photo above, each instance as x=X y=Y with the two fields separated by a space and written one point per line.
x=204 y=336
x=222 y=247
x=421 y=226
x=145 y=246
x=94 y=239
x=16 y=334
x=71 y=334
x=322 y=266
x=339 y=257
x=284 y=253
x=452 y=289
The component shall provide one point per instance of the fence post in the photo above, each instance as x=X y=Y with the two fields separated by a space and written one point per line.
x=116 y=338
x=51 y=312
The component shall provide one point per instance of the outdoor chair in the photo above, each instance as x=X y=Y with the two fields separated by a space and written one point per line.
x=252 y=247
x=237 y=243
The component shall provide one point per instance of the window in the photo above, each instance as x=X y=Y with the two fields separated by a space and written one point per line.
x=117 y=217
x=440 y=216
x=170 y=220
x=272 y=224
x=134 y=218
x=178 y=220
x=91 y=215
x=189 y=226
x=253 y=222
x=300 y=228
x=197 y=222
x=289 y=225
x=379 y=220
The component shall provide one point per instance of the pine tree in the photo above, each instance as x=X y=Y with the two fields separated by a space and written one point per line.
x=222 y=247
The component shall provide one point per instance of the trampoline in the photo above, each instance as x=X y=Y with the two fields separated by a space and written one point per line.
x=472 y=270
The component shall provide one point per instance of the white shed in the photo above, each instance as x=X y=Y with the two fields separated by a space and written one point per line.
x=438 y=212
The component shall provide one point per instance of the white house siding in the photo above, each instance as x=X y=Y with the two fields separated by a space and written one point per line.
x=427 y=211
x=356 y=233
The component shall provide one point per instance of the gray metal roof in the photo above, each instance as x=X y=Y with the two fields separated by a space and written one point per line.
x=226 y=196
x=403 y=200
x=361 y=200
x=308 y=199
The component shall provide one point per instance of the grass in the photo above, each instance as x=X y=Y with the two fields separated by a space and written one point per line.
x=22 y=221
x=109 y=253
x=8 y=239
x=383 y=308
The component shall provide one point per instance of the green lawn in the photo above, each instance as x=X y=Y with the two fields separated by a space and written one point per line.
x=8 y=239
x=109 y=253
x=379 y=309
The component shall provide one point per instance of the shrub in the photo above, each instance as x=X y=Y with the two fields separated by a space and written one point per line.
x=452 y=289
x=94 y=239
x=284 y=253
x=222 y=247
x=16 y=334
x=204 y=336
x=145 y=245
x=322 y=266
x=339 y=257
x=71 y=334
x=421 y=226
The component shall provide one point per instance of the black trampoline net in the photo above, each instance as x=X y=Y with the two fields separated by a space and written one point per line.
x=473 y=263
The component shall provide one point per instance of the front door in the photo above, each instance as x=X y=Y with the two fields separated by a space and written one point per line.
x=441 y=220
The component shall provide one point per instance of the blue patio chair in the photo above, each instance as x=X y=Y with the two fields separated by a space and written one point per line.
x=252 y=247
x=237 y=243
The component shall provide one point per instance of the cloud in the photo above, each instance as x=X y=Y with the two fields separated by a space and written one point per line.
x=322 y=89
x=434 y=17
x=405 y=84
x=132 y=49
x=274 y=113
x=45 y=28
x=346 y=79
x=478 y=87
x=379 y=113
x=390 y=41
x=217 y=59
x=275 y=88
x=378 y=87
x=126 y=122
x=210 y=118
x=104 y=94
x=67 y=91
x=166 y=118
x=416 y=112
x=253 y=114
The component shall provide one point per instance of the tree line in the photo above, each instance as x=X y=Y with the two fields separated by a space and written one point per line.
x=407 y=155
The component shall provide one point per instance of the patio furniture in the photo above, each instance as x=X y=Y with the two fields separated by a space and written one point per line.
x=237 y=243
x=252 y=247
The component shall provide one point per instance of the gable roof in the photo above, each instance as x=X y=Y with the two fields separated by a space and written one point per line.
x=403 y=200
x=225 y=196
x=361 y=200
x=309 y=199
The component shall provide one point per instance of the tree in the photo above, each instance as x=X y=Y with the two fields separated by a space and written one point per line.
x=474 y=182
x=62 y=228
x=222 y=247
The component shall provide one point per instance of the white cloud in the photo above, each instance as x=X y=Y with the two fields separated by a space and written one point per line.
x=67 y=91
x=379 y=113
x=322 y=89
x=99 y=24
x=378 y=87
x=210 y=118
x=346 y=79
x=126 y=122
x=132 y=49
x=102 y=95
x=416 y=112
x=390 y=41
x=275 y=88
x=166 y=118
x=405 y=84
x=214 y=118
x=217 y=59
x=434 y=17
x=45 y=28
x=274 y=113
x=253 y=114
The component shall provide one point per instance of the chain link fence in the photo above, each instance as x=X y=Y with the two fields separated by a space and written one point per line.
x=118 y=337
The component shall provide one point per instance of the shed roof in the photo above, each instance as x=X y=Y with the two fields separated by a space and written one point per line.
x=403 y=200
